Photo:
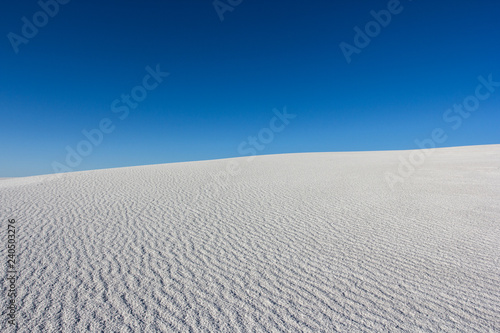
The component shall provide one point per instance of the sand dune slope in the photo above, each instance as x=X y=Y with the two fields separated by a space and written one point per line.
x=314 y=242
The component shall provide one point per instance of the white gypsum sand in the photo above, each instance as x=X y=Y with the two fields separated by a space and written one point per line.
x=312 y=242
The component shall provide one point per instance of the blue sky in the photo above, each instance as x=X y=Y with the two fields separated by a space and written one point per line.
x=226 y=77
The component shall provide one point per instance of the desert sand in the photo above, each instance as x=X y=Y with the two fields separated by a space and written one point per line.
x=309 y=242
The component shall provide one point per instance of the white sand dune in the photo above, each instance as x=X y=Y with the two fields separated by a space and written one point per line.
x=314 y=242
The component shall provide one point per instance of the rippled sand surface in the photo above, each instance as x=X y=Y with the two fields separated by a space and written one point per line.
x=314 y=242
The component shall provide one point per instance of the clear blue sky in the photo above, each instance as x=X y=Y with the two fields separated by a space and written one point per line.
x=226 y=77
